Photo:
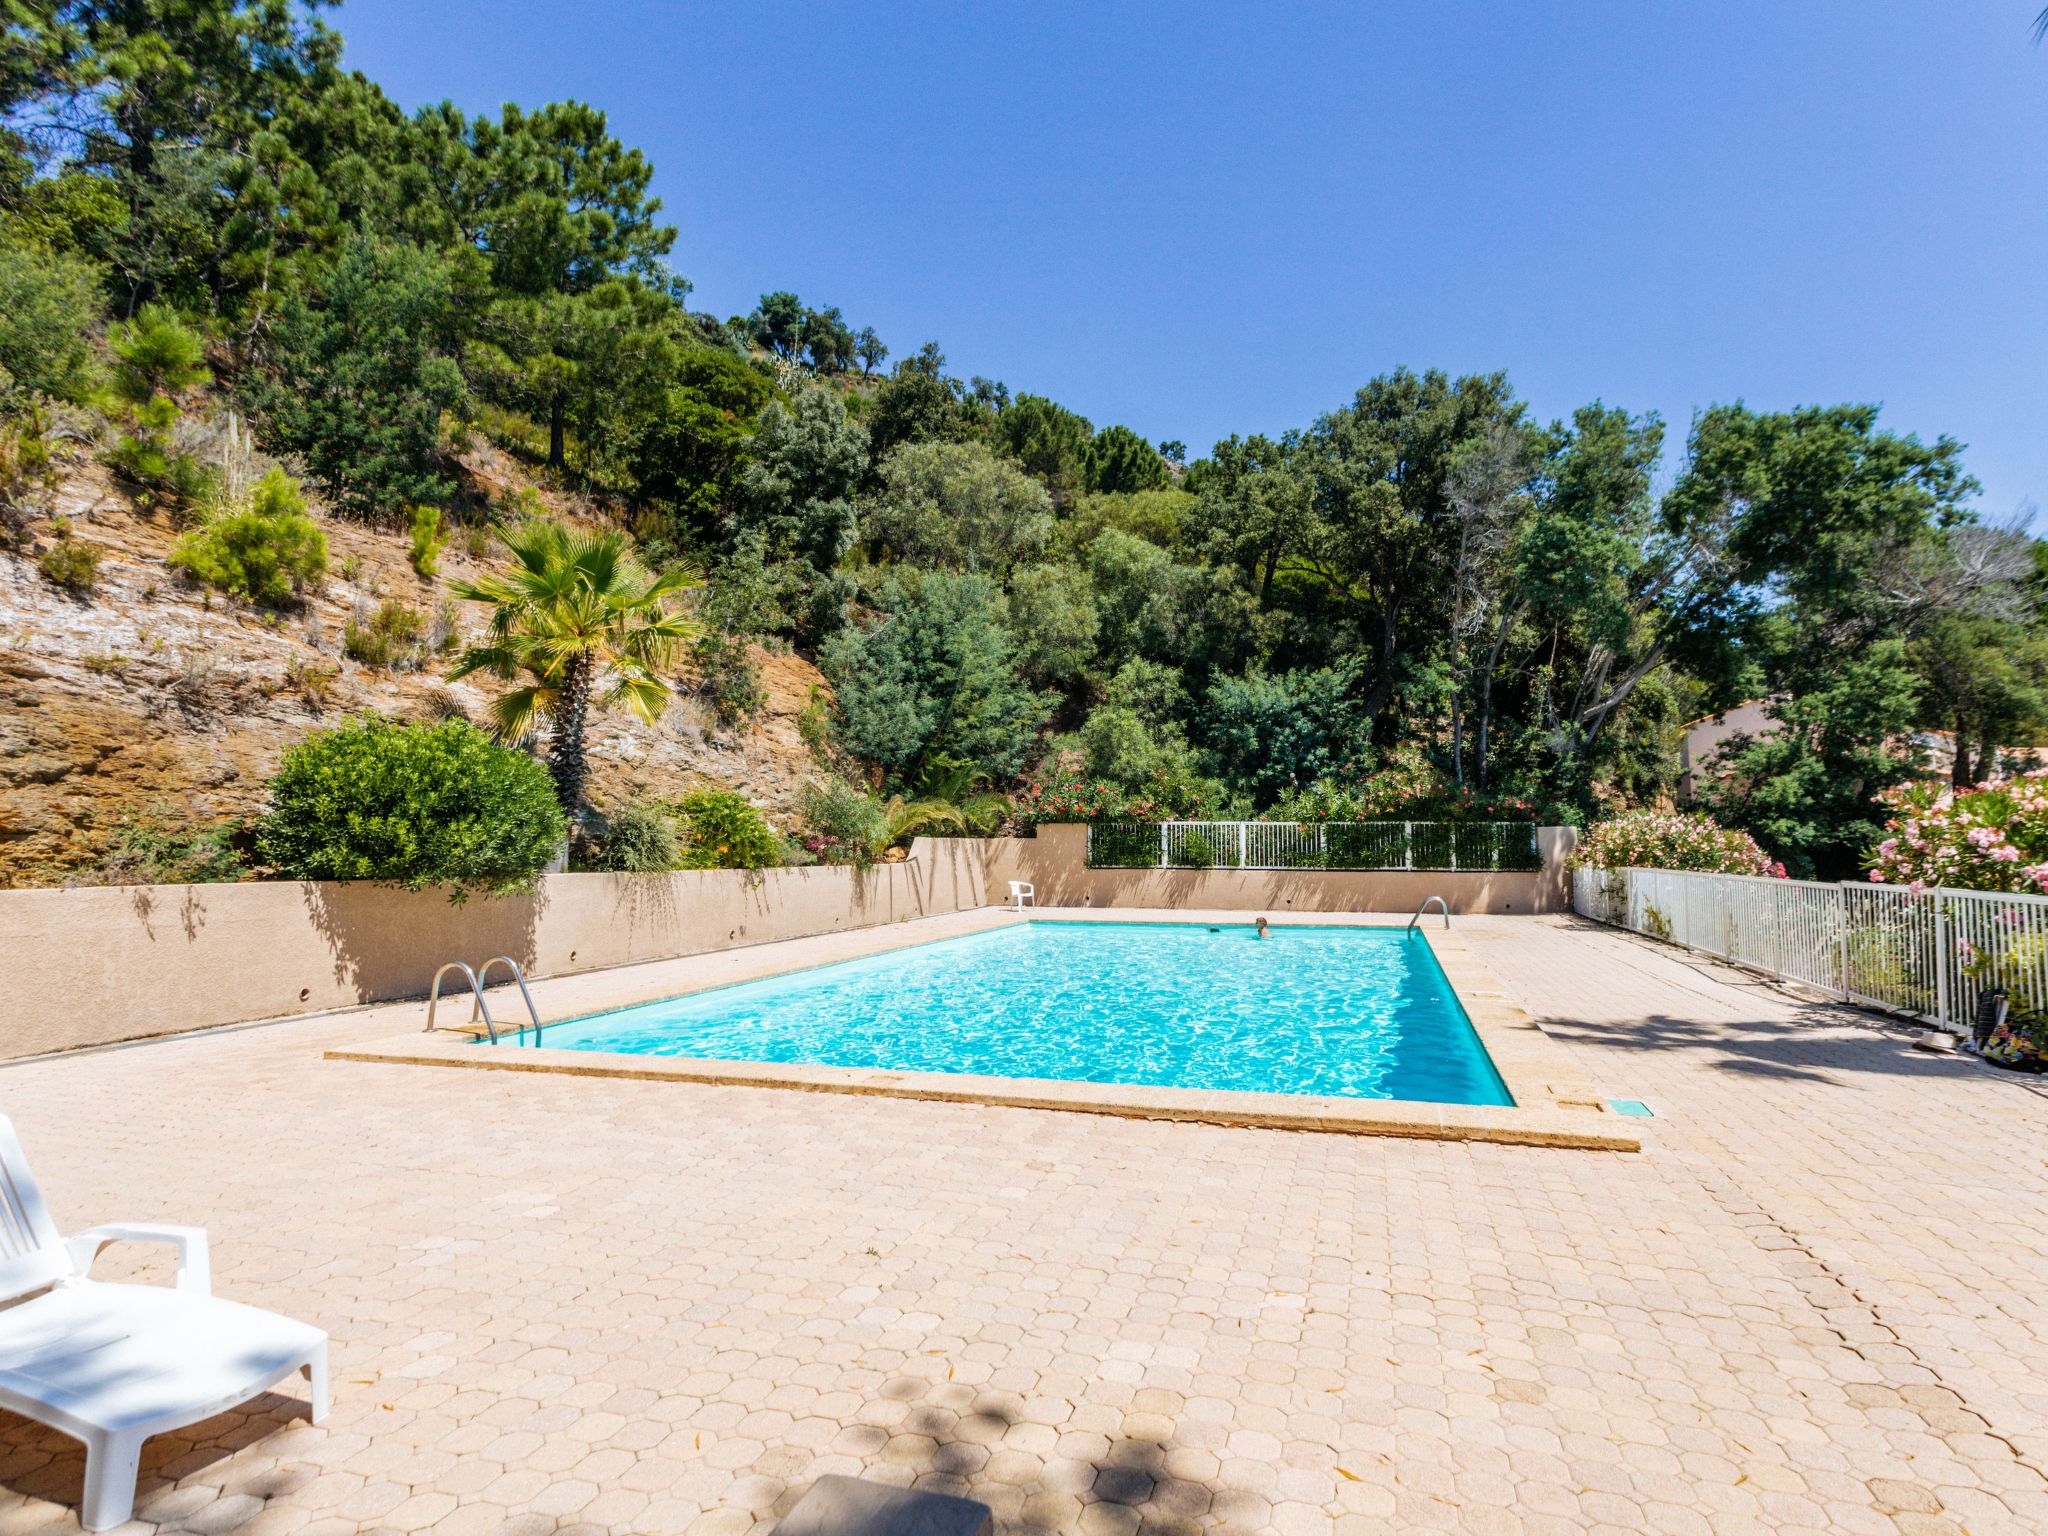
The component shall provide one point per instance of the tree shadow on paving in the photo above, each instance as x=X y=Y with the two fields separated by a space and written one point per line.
x=973 y=1454
x=1793 y=1051
x=40 y=1463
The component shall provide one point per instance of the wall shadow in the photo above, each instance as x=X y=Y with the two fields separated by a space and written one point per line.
x=386 y=944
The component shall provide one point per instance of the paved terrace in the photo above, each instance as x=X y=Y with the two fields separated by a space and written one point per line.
x=1815 y=1304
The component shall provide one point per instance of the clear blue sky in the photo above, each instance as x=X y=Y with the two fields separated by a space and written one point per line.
x=1200 y=220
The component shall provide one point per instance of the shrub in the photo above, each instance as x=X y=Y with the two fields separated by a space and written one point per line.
x=390 y=638
x=161 y=475
x=728 y=678
x=851 y=826
x=27 y=467
x=1404 y=786
x=411 y=805
x=71 y=563
x=1672 y=840
x=427 y=540
x=722 y=830
x=1065 y=798
x=641 y=840
x=313 y=681
x=846 y=821
x=1991 y=837
x=155 y=848
x=1123 y=845
x=267 y=553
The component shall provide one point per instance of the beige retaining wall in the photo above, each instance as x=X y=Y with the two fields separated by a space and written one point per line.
x=99 y=965
x=92 y=966
x=1056 y=862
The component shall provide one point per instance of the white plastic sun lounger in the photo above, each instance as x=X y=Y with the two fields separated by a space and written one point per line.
x=114 y=1364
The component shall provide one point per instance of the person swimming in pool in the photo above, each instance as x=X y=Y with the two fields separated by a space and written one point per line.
x=1261 y=925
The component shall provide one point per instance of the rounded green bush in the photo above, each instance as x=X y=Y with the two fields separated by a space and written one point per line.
x=411 y=805
x=724 y=831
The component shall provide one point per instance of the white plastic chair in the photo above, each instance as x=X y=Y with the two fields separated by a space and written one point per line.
x=1022 y=892
x=114 y=1364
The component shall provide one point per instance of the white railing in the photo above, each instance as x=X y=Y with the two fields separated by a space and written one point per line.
x=1342 y=845
x=1927 y=954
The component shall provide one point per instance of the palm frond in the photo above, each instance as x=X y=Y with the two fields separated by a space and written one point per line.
x=516 y=714
x=646 y=696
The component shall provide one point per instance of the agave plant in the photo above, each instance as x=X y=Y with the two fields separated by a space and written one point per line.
x=585 y=622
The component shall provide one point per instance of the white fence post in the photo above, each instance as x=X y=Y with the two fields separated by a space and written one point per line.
x=1941 y=950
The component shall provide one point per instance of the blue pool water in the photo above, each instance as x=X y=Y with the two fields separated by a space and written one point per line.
x=1360 y=1013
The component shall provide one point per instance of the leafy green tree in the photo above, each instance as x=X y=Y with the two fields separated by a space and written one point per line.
x=798 y=492
x=1162 y=517
x=362 y=374
x=157 y=356
x=559 y=210
x=1154 y=607
x=959 y=506
x=47 y=304
x=1806 y=790
x=827 y=341
x=1269 y=734
x=160 y=97
x=1254 y=507
x=777 y=323
x=1117 y=459
x=917 y=404
x=690 y=451
x=937 y=673
x=869 y=348
x=410 y=805
x=1049 y=440
x=584 y=623
x=1055 y=622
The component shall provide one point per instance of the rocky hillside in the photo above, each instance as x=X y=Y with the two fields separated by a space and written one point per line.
x=151 y=698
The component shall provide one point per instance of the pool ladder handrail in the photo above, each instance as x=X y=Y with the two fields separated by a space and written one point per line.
x=434 y=998
x=482 y=1009
x=1442 y=906
x=519 y=977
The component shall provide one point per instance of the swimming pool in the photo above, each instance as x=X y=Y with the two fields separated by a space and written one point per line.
x=1350 y=1012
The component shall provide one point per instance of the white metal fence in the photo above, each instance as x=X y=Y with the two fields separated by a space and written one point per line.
x=1928 y=954
x=1346 y=845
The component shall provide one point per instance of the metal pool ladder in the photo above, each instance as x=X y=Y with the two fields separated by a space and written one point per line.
x=1442 y=906
x=482 y=1009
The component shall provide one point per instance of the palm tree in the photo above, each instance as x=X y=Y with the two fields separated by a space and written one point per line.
x=582 y=619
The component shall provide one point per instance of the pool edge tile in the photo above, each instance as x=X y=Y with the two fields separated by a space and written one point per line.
x=1536 y=1127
